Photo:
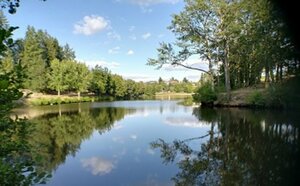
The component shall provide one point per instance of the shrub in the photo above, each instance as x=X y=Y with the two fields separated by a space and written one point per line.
x=256 y=98
x=205 y=94
x=44 y=101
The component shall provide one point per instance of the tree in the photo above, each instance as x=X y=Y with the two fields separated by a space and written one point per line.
x=239 y=39
x=68 y=53
x=34 y=62
x=82 y=77
x=17 y=161
x=160 y=80
x=99 y=80
x=119 y=86
x=57 y=75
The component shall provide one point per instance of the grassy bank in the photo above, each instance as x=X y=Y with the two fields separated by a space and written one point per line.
x=58 y=100
x=280 y=95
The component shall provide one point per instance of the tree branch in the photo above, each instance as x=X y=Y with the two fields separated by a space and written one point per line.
x=189 y=67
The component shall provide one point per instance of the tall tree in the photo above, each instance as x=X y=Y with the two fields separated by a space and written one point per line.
x=99 y=80
x=33 y=61
x=82 y=78
x=68 y=53
x=56 y=76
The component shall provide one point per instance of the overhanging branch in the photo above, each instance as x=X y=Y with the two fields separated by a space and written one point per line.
x=192 y=68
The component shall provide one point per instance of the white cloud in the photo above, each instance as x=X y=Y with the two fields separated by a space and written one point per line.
x=90 y=25
x=134 y=137
x=139 y=77
x=118 y=126
x=114 y=35
x=118 y=140
x=150 y=151
x=133 y=37
x=130 y=52
x=102 y=63
x=114 y=50
x=193 y=78
x=153 y=2
x=98 y=165
x=146 y=35
x=131 y=28
x=146 y=9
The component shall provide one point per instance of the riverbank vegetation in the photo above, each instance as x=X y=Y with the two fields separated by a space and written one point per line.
x=244 y=43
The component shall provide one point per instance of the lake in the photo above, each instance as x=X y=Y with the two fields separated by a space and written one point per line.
x=163 y=143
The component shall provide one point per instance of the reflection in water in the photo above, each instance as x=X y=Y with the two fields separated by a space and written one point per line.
x=98 y=165
x=188 y=121
x=243 y=147
x=17 y=160
x=55 y=135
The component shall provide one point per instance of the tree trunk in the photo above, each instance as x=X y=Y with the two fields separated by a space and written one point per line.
x=58 y=92
x=267 y=76
x=227 y=73
x=277 y=73
x=78 y=95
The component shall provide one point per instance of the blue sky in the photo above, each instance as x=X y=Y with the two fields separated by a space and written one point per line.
x=118 y=34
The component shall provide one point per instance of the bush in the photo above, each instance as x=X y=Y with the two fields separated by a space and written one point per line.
x=285 y=94
x=256 y=98
x=44 y=101
x=205 y=94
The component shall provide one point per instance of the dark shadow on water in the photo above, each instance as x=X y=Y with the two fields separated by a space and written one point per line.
x=243 y=147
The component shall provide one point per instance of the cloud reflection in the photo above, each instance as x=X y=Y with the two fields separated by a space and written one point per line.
x=184 y=122
x=98 y=165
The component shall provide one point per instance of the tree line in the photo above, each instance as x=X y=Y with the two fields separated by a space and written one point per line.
x=40 y=63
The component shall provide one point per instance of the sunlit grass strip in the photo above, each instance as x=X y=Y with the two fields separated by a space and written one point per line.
x=56 y=101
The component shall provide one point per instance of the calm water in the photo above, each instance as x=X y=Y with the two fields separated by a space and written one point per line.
x=163 y=143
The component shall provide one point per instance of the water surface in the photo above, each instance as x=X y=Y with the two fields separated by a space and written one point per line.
x=163 y=143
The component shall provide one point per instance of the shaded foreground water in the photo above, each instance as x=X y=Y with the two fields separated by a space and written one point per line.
x=163 y=143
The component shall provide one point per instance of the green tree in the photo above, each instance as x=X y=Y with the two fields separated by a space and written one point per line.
x=57 y=75
x=82 y=77
x=33 y=61
x=99 y=80
x=17 y=161
x=68 y=53
x=119 y=86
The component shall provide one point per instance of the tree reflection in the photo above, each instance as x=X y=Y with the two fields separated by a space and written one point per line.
x=17 y=158
x=40 y=149
x=57 y=136
x=243 y=147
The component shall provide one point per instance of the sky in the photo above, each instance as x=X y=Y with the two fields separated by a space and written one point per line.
x=118 y=34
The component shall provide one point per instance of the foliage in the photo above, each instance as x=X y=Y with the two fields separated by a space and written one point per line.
x=284 y=95
x=241 y=39
x=17 y=160
x=56 y=76
x=205 y=94
x=257 y=99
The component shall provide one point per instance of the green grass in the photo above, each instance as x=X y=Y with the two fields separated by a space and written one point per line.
x=56 y=101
